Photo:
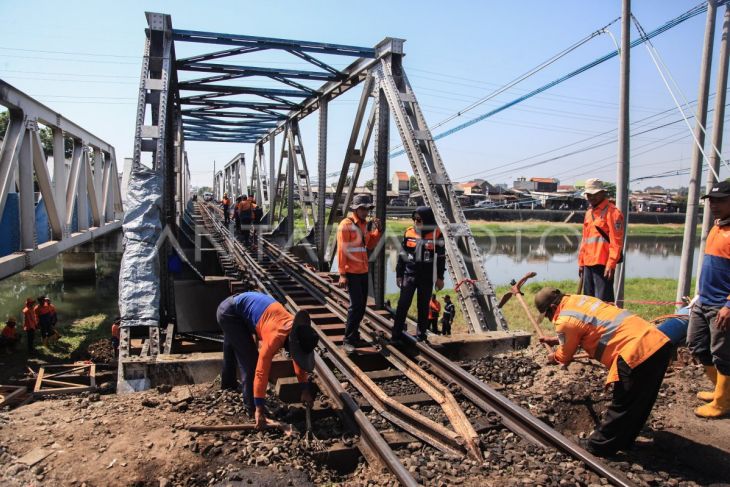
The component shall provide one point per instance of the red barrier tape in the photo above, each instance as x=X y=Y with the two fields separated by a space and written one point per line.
x=467 y=280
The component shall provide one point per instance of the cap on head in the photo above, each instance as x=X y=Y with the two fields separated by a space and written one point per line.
x=546 y=297
x=11 y=321
x=29 y=301
x=361 y=200
x=719 y=190
x=302 y=341
x=594 y=186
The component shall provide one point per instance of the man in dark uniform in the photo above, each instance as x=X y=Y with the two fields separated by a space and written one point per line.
x=421 y=261
x=449 y=313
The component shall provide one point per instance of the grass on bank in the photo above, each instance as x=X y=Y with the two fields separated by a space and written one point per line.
x=76 y=335
x=481 y=228
x=645 y=289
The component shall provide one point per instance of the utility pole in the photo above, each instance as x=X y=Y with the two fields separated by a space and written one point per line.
x=215 y=192
x=622 y=162
x=690 y=221
x=718 y=125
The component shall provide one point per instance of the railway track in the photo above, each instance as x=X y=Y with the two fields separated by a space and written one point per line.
x=412 y=388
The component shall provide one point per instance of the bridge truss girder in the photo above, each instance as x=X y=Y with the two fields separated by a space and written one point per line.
x=210 y=111
x=90 y=184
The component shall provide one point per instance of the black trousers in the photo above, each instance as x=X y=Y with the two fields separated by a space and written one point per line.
x=434 y=322
x=226 y=216
x=446 y=325
x=633 y=398
x=412 y=285
x=239 y=349
x=594 y=284
x=357 y=288
x=246 y=231
x=29 y=336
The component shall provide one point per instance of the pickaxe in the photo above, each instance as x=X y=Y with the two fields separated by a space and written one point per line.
x=516 y=290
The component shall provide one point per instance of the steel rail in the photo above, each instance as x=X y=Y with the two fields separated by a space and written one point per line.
x=482 y=395
x=374 y=441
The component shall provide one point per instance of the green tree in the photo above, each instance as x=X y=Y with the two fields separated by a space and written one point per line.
x=370 y=184
x=414 y=184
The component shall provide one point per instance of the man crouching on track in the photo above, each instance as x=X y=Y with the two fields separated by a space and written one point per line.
x=635 y=352
x=244 y=315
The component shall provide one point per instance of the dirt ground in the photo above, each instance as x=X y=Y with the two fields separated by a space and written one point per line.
x=140 y=439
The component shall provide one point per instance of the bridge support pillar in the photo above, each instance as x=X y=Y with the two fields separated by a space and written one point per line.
x=79 y=266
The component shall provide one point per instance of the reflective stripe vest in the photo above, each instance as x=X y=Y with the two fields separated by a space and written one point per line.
x=595 y=249
x=434 y=308
x=353 y=243
x=605 y=332
x=226 y=202
x=418 y=253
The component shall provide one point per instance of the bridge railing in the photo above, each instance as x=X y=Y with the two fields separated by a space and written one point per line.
x=82 y=200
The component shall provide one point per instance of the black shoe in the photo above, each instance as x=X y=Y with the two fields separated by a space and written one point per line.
x=422 y=338
x=348 y=347
x=586 y=444
x=396 y=340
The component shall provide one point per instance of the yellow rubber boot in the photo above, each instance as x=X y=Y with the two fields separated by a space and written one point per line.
x=711 y=373
x=720 y=405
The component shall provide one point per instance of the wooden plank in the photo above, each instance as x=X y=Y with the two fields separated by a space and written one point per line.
x=39 y=380
x=62 y=390
x=53 y=382
x=92 y=375
x=34 y=456
x=56 y=374
x=419 y=398
x=9 y=394
x=384 y=374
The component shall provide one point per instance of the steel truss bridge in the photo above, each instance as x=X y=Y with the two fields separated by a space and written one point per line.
x=40 y=215
x=226 y=105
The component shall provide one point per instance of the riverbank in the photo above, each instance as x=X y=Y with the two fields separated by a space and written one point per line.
x=482 y=228
x=637 y=289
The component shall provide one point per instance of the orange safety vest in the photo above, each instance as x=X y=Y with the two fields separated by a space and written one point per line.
x=353 y=243
x=605 y=332
x=226 y=202
x=30 y=320
x=10 y=332
x=245 y=206
x=434 y=308
x=115 y=330
x=595 y=249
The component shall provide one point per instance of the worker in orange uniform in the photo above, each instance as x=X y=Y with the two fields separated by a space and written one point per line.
x=602 y=245
x=30 y=324
x=636 y=353
x=421 y=265
x=708 y=336
x=44 y=312
x=54 y=334
x=116 y=332
x=245 y=215
x=355 y=236
x=9 y=335
x=244 y=315
x=434 y=310
x=226 y=203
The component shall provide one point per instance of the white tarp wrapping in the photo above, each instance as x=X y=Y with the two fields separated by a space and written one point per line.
x=139 y=275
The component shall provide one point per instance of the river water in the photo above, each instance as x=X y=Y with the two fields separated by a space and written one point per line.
x=506 y=258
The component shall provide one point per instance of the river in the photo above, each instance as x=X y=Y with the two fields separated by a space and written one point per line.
x=506 y=258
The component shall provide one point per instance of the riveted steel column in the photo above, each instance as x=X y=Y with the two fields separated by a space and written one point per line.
x=622 y=164
x=273 y=180
x=693 y=195
x=26 y=191
x=321 y=233
x=291 y=155
x=382 y=143
x=718 y=125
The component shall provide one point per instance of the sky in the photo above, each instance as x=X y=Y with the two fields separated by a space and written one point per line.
x=82 y=59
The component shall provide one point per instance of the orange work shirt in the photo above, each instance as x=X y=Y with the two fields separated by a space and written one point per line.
x=606 y=332
x=353 y=243
x=595 y=249
x=272 y=330
x=434 y=308
x=10 y=332
x=30 y=320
